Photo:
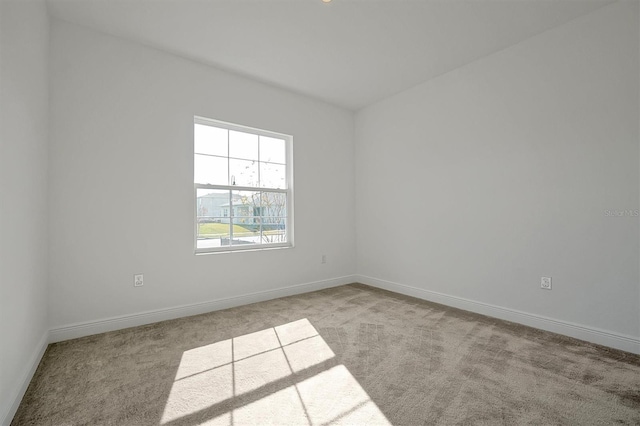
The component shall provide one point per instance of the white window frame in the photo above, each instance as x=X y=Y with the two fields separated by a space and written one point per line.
x=288 y=191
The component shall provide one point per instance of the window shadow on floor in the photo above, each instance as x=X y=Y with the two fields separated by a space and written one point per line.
x=281 y=375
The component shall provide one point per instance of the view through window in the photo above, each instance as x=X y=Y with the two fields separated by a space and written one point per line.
x=243 y=191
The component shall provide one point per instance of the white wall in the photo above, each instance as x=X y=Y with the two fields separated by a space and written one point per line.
x=122 y=146
x=508 y=165
x=23 y=195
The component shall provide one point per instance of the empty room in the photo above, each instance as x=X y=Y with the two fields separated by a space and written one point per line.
x=319 y=212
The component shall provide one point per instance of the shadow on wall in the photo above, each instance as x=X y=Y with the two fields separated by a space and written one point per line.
x=282 y=375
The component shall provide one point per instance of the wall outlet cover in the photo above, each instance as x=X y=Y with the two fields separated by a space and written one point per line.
x=545 y=283
x=138 y=280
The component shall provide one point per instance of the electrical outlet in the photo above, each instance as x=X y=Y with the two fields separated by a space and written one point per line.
x=324 y=258
x=138 y=280
x=545 y=283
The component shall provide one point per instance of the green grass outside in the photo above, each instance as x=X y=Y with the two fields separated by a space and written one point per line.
x=216 y=230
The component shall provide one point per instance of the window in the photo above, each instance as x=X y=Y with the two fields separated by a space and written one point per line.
x=243 y=187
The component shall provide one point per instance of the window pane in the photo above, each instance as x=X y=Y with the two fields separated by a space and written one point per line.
x=274 y=205
x=243 y=173
x=213 y=230
x=272 y=150
x=245 y=203
x=210 y=140
x=213 y=234
x=212 y=203
x=243 y=145
x=273 y=175
x=211 y=170
x=246 y=230
x=274 y=230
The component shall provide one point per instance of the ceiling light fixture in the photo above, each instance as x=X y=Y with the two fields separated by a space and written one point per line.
x=326 y=1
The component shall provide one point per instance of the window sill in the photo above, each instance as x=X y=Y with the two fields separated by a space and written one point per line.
x=200 y=252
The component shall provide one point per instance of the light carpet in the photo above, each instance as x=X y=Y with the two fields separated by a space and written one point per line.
x=346 y=355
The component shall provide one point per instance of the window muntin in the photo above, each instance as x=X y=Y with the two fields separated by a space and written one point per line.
x=243 y=187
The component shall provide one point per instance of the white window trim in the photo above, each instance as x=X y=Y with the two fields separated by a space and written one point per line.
x=288 y=191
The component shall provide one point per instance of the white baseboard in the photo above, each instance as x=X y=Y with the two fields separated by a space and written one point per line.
x=74 y=331
x=590 y=334
x=18 y=393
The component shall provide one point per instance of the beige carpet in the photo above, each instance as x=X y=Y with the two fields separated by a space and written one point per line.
x=348 y=355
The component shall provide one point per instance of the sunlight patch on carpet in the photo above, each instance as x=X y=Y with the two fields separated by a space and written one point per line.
x=335 y=397
x=270 y=370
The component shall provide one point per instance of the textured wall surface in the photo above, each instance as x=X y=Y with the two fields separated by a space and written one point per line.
x=521 y=165
x=24 y=41
x=122 y=198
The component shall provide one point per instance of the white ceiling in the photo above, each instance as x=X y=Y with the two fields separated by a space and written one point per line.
x=349 y=53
